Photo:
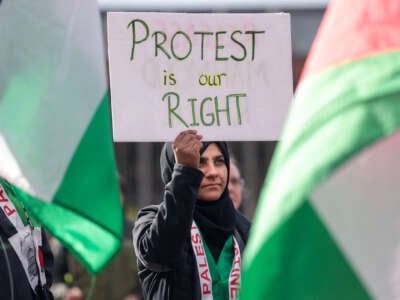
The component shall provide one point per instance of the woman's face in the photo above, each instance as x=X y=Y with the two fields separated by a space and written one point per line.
x=212 y=164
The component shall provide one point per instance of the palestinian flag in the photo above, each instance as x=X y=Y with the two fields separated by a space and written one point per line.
x=327 y=225
x=55 y=131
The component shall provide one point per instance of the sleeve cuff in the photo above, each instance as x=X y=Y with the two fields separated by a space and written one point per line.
x=193 y=175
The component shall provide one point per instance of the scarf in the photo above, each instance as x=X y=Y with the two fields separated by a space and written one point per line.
x=215 y=219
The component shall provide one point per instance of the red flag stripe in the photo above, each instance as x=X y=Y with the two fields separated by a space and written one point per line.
x=354 y=29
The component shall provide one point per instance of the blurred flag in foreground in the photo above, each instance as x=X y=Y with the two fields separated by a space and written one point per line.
x=328 y=222
x=55 y=131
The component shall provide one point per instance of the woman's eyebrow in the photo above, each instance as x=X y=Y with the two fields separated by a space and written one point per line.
x=218 y=156
x=214 y=157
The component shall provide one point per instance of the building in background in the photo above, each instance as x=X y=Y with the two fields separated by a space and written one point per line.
x=138 y=163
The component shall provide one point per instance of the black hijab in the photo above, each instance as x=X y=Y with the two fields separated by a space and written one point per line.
x=215 y=219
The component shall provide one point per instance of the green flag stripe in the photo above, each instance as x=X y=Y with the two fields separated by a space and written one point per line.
x=323 y=140
x=291 y=265
x=95 y=152
x=80 y=224
x=76 y=230
x=323 y=97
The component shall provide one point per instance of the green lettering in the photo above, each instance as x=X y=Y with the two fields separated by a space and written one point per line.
x=237 y=97
x=218 y=46
x=217 y=110
x=208 y=114
x=134 y=37
x=202 y=33
x=171 y=110
x=253 y=40
x=172 y=45
x=159 y=44
x=194 y=123
x=240 y=44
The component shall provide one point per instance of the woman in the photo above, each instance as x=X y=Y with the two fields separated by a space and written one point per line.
x=189 y=246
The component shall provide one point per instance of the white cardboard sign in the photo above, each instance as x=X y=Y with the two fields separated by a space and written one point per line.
x=228 y=76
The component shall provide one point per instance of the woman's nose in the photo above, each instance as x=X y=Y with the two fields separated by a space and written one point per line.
x=211 y=170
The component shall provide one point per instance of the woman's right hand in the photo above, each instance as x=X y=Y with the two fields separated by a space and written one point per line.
x=187 y=147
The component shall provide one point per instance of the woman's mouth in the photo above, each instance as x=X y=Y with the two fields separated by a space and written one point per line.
x=211 y=186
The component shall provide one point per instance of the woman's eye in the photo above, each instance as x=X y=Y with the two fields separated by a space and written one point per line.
x=220 y=161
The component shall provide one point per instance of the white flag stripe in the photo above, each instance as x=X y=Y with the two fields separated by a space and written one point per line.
x=55 y=55
x=360 y=206
x=10 y=169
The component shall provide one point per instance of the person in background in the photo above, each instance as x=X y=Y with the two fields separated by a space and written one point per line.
x=236 y=184
x=26 y=261
x=189 y=246
x=118 y=278
x=61 y=276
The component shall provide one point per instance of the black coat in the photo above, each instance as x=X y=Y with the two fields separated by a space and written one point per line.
x=161 y=237
x=17 y=286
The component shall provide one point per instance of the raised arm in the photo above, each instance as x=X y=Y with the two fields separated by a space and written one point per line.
x=161 y=232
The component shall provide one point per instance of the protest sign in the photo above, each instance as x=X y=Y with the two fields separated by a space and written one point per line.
x=227 y=75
